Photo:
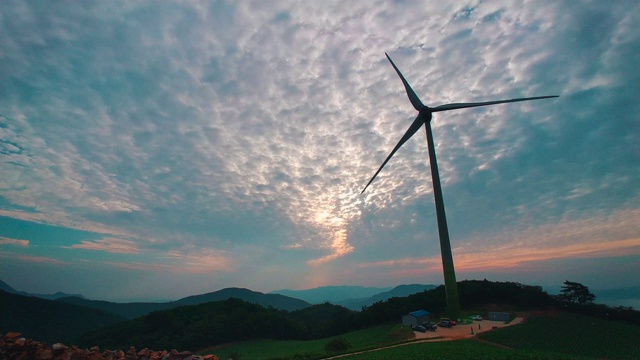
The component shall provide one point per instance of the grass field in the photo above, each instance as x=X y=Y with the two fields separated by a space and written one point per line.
x=460 y=349
x=572 y=334
x=314 y=349
x=552 y=336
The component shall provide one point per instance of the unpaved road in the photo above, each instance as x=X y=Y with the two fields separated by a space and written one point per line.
x=457 y=332
x=463 y=331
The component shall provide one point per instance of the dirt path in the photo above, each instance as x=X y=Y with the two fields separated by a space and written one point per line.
x=463 y=331
x=457 y=332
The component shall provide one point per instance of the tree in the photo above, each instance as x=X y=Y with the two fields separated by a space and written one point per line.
x=576 y=293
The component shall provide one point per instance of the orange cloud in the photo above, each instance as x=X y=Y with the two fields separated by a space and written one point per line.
x=339 y=247
x=509 y=257
x=108 y=244
x=516 y=254
x=199 y=260
x=40 y=259
x=16 y=242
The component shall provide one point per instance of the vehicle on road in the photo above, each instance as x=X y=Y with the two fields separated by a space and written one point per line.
x=453 y=322
x=475 y=317
x=445 y=324
x=419 y=328
x=430 y=326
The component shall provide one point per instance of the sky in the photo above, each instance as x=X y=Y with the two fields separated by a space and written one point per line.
x=160 y=149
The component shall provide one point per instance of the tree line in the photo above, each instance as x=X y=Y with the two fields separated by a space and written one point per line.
x=209 y=324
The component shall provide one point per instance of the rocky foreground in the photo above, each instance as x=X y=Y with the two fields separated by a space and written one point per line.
x=15 y=347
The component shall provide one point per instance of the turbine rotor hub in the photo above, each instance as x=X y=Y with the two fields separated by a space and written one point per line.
x=425 y=112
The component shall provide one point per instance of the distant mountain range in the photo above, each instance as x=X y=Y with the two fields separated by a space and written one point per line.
x=353 y=297
x=69 y=317
x=137 y=309
x=6 y=287
x=398 y=291
x=134 y=310
x=332 y=294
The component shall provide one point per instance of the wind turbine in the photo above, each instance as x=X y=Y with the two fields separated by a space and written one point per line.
x=424 y=117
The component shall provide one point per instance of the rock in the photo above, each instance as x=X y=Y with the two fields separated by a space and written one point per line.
x=59 y=347
x=14 y=347
x=44 y=354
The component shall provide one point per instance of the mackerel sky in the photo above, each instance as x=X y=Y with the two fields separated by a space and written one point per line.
x=158 y=149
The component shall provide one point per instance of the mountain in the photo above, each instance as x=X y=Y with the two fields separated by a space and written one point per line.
x=332 y=294
x=126 y=310
x=219 y=322
x=134 y=310
x=48 y=320
x=6 y=287
x=353 y=297
x=276 y=301
x=398 y=291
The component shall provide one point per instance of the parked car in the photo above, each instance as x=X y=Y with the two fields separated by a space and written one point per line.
x=475 y=317
x=445 y=323
x=430 y=326
x=419 y=328
x=453 y=322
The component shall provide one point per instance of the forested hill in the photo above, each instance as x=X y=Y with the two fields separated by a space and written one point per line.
x=134 y=310
x=48 y=320
x=198 y=326
x=193 y=327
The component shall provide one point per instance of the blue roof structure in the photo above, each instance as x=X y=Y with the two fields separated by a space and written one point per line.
x=419 y=313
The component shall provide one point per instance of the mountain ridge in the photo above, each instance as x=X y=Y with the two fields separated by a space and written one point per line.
x=8 y=288
x=49 y=320
x=332 y=293
x=137 y=309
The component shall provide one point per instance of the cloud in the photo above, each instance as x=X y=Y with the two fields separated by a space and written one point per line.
x=213 y=128
x=111 y=245
x=33 y=258
x=14 y=242
x=200 y=260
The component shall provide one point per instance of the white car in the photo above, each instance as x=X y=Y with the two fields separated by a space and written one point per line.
x=475 y=317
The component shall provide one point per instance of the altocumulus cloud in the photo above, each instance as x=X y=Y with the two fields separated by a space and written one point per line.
x=235 y=137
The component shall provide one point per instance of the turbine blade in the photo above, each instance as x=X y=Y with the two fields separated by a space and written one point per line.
x=468 y=105
x=415 y=101
x=417 y=123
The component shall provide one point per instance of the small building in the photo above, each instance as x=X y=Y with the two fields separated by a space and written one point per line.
x=415 y=318
x=499 y=316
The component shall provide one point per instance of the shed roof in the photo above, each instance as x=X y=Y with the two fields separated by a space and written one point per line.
x=419 y=313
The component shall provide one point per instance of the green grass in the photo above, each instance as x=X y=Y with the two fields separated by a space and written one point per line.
x=561 y=336
x=313 y=349
x=460 y=349
x=572 y=334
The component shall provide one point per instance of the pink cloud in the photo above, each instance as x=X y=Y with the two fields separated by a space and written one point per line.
x=108 y=244
x=40 y=259
x=15 y=242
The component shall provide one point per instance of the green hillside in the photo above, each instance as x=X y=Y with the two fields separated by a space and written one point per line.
x=213 y=323
x=573 y=334
x=48 y=320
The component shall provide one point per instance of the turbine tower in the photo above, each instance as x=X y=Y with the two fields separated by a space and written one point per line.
x=424 y=117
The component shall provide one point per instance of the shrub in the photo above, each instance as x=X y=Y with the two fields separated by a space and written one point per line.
x=337 y=344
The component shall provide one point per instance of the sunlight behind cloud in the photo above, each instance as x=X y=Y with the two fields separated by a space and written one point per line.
x=199 y=138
